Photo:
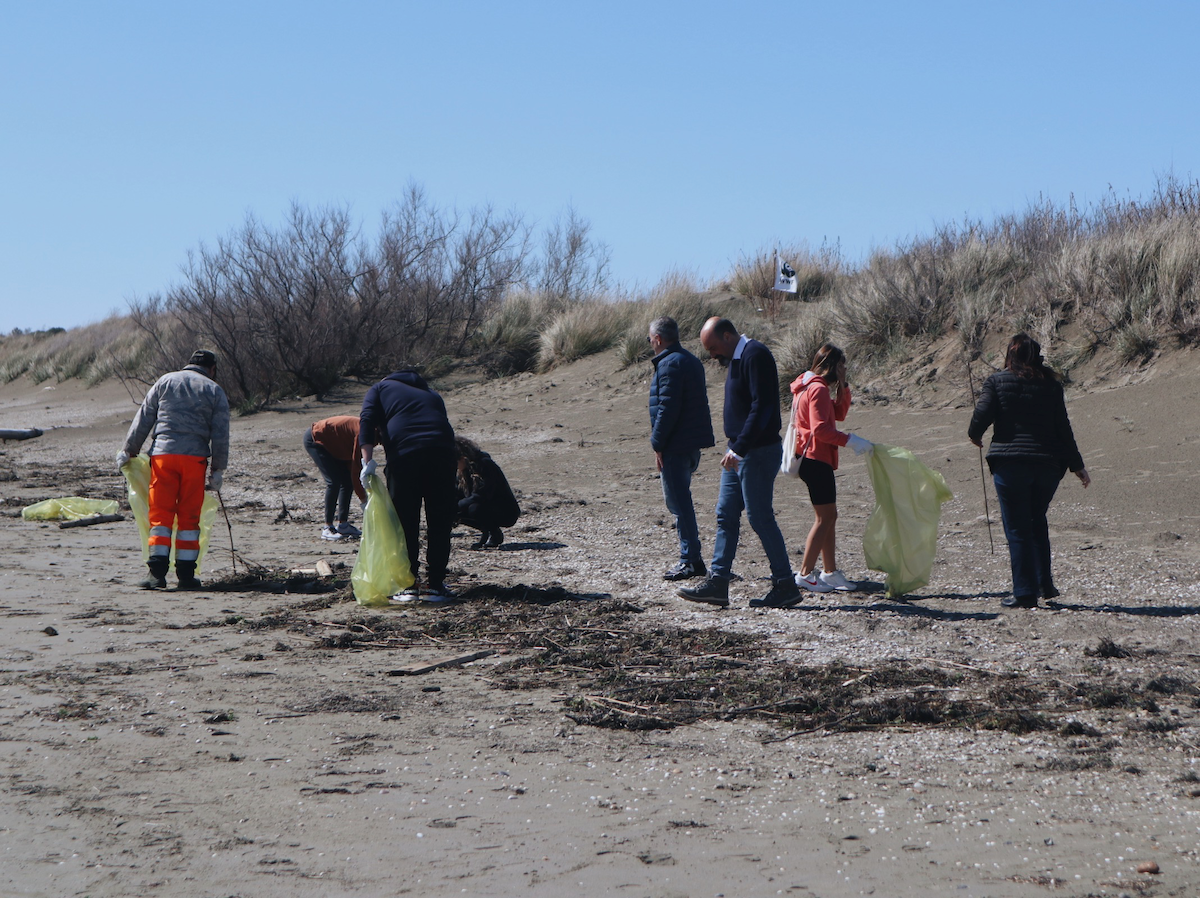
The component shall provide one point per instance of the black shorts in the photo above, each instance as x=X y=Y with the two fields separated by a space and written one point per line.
x=818 y=475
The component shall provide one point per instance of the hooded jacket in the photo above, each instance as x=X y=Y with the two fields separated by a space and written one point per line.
x=492 y=492
x=816 y=434
x=404 y=414
x=1029 y=416
x=679 y=417
x=187 y=413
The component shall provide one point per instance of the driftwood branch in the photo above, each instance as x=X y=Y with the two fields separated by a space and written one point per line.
x=94 y=519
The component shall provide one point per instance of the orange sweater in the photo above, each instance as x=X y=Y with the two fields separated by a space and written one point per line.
x=339 y=437
x=816 y=434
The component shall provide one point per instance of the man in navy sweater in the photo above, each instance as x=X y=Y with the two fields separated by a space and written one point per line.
x=409 y=419
x=752 y=424
x=680 y=427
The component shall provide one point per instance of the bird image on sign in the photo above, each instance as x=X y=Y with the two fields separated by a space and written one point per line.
x=785 y=276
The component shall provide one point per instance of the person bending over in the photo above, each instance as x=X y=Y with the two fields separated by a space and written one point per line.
x=485 y=500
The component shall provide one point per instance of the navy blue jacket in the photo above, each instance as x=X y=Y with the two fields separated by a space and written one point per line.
x=679 y=416
x=1029 y=416
x=752 y=400
x=403 y=414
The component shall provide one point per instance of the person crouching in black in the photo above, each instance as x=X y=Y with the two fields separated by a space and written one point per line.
x=485 y=500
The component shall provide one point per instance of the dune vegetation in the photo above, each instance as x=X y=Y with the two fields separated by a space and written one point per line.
x=295 y=309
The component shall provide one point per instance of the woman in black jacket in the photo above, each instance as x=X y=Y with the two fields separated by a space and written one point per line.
x=1033 y=446
x=485 y=500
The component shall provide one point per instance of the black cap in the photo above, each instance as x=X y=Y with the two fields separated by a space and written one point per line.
x=205 y=358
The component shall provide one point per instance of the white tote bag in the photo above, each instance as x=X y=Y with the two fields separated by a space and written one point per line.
x=789 y=465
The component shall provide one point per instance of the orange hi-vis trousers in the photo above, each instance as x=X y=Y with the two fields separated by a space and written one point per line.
x=176 y=497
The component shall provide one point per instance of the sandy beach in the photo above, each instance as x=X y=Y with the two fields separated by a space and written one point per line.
x=251 y=739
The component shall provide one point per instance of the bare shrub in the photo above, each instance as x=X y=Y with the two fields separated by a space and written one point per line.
x=574 y=266
x=297 y=308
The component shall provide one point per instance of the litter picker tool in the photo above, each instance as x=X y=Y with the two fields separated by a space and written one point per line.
x=229 y=527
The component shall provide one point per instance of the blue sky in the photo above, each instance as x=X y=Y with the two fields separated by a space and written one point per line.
x=688 y=133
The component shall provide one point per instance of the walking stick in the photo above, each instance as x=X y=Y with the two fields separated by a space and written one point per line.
x=982 y=479
x=229 y=527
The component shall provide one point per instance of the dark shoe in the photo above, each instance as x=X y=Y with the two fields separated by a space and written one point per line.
x=158 y=573
x=186 y=572
x=686 y=570
x=494 y=539
x=1050 y=592
x=438 y=594
x=713 y=591
x=784 y=594
x=482 y=542
x=1019 y=602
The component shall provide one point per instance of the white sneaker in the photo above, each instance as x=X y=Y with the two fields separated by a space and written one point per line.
x=330 y=533
x=836 y=580
x=812 y=582
x=411 y=594
x=348 y=529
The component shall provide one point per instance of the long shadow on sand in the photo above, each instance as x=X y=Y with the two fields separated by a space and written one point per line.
x=1135 y=610
x=903 y=605
x=540 y=546
x=904 y=608
x=519 y=593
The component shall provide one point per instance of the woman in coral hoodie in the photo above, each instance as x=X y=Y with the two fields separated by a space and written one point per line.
x=820 y=397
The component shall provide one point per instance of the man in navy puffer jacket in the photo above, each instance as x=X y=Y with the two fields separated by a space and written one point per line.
x=680 y=427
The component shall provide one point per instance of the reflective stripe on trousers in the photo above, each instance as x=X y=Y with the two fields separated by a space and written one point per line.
x=176 y=497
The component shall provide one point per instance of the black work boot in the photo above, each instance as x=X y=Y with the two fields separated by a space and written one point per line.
x=713 y=591
x=495 y=539
x=157 y=566
x=186 y=572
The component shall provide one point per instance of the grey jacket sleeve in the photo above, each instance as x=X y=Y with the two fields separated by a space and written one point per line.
x=220 y=433
x=143 y=421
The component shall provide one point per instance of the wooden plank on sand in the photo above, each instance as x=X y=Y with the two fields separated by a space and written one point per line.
x=448 y=661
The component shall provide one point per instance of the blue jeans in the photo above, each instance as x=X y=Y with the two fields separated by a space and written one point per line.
x=677 y=470
x=1025 y=489
x=750 y=487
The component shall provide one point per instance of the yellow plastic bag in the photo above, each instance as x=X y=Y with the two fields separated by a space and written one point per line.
x=901 y=536
x=72 y=508
x=382 y=567
x=137 y=476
